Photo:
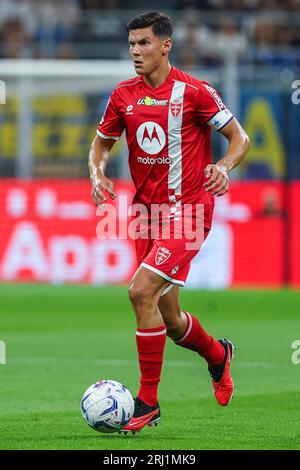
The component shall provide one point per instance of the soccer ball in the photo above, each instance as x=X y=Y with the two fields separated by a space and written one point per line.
x=107 y=406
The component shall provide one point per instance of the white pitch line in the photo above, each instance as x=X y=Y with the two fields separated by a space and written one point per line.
x=33 y=360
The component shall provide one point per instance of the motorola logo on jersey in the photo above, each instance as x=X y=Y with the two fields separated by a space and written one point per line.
x=152 y=161
x=151 y=137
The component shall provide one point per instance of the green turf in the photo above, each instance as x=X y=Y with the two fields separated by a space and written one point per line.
x=62 y=339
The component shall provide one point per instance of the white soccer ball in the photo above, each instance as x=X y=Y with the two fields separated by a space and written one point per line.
x=107 y=406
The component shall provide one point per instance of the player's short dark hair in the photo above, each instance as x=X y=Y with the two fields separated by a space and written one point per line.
x=161 y=24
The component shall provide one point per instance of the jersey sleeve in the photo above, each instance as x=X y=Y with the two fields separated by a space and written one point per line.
x=210 y=108
x=111 y=125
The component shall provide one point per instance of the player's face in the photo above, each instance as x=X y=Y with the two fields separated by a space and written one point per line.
x=147 y=50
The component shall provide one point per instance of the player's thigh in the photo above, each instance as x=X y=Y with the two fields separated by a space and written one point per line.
x=169 y=306
x=146 y=285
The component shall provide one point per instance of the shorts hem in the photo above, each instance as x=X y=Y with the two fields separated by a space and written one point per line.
x=162 y=274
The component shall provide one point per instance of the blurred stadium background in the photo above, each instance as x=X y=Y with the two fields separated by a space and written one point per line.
x=59 y=62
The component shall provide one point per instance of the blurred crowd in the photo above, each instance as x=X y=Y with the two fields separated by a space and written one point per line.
x=260 y=31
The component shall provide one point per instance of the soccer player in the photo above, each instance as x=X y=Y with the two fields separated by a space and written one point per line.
x=168 y=116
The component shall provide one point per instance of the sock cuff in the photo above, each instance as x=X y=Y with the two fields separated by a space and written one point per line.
x=188 y=327
x=160 y=330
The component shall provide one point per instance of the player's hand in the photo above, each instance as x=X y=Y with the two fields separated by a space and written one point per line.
x=100 y=184
x=218 y=182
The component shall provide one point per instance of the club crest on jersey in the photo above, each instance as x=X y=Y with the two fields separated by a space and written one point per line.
x=162 y=255
x=176 y=107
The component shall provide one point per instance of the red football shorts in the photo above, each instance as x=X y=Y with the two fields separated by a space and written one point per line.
x=169 y=253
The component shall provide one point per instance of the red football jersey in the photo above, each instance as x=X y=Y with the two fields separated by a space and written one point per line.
x=168 y=135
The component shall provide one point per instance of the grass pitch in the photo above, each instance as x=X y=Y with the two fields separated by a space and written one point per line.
x=62 y=339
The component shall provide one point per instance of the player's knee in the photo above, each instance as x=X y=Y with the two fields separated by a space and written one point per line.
x=140 y=295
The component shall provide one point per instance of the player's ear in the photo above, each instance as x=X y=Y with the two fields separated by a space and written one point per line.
x=167 y=45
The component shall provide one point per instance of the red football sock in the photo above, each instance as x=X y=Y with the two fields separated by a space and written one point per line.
x=197 y=339
x=150 y=345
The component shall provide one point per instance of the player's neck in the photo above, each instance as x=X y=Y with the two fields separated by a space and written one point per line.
x=158 y=77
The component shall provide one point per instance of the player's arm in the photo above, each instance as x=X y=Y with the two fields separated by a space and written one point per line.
x=98 y=158
x=239 y=144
